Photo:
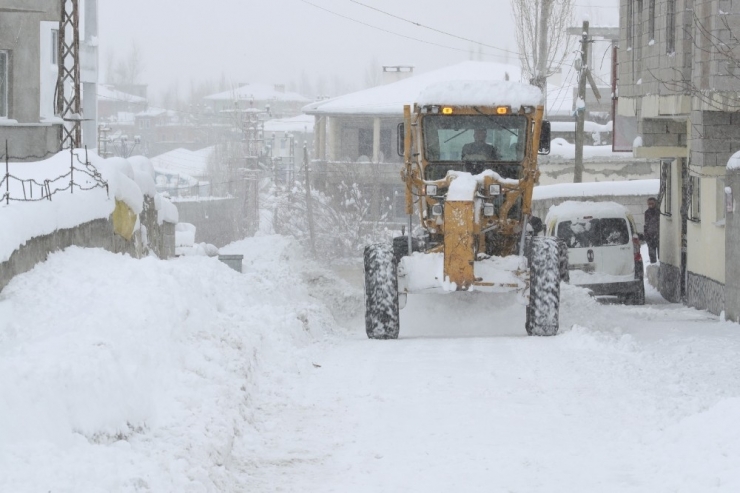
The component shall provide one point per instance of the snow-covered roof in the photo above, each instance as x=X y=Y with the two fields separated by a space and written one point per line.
x=389 y=99
x=152 y=112
x=572 y=209
x=595 y=189
x=112 y=94
x=588 y=126
x=187 y=162
x=297 y=124
x=258 y=92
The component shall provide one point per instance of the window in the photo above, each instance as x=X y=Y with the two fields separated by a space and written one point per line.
x=54 y=46
x=651 y=19
x=665 y=198
x=589 y=232
x=4 y=82
x=670 y=26
x=365 y=142
x=694 y=197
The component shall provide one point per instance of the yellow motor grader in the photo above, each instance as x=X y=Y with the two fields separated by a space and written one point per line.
x=470 y=165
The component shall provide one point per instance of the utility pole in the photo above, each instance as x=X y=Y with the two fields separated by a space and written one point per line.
x=309 y=206
x=541 y=77
x=584 y=74
x=69 y=100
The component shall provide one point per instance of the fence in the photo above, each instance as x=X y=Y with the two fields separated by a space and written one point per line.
x=49 y=187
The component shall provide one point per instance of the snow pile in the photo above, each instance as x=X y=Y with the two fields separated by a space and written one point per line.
x=462 y=188
x=480 y=93
x=137 y=375
x=128 y=181
x=597 y=189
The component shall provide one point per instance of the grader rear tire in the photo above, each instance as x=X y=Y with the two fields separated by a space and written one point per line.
x=544 y=289
x=381 y=292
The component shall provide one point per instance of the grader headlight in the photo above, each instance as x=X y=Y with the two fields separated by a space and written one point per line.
x=488 y=210
x=431 y=190
x=494 y=190
x=437 y=210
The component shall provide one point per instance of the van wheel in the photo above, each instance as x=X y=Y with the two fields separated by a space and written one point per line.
x=544 y=287
x=381 y=292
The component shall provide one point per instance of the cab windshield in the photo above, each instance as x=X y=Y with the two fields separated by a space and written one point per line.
x=451 y=141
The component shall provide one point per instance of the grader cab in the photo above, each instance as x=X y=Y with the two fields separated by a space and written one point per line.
x=470 y=166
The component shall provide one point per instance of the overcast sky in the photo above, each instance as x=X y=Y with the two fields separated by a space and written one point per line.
x=275 y=41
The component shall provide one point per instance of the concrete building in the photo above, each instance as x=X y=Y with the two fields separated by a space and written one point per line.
x=28 y=76
x=676 y=80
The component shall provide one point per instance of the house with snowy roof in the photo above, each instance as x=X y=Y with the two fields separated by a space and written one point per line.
x=355 y=135
x=273 y=99
x=678 y=76
x=182 y=172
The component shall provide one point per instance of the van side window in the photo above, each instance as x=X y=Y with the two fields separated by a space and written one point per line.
x=614 y=232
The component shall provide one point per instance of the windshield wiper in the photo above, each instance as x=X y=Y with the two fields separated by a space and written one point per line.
x=495 y=122
x=456 y=136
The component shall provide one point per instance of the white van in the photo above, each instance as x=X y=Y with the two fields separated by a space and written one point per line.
x=603 y=248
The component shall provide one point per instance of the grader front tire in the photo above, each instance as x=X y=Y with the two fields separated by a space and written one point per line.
x=381 y=292
x=544 y=290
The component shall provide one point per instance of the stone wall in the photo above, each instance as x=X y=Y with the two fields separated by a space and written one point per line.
x=669 y=282
x=217 y=221
x=705 y=293
x=94 y=234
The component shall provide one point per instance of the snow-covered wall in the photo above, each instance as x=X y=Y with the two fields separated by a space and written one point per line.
x=127 y=217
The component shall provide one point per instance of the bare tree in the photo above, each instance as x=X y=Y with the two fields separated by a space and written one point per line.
x=127 y=70
x=542 y=24
x=373 y=74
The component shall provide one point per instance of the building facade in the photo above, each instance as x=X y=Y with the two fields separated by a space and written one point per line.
x=29 y=69
x=678 y=77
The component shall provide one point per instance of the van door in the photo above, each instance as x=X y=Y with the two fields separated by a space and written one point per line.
x=615 y=253
x=580 y=236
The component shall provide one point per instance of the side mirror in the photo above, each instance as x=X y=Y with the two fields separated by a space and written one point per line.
x=401 y=138
x=545 y=138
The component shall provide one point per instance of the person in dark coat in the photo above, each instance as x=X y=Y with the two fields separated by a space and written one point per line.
x=652 y=229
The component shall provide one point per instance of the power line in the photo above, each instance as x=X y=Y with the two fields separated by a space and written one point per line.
x=392 y=32
x=433 y=29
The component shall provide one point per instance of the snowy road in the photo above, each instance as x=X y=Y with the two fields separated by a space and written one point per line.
x=120 y=375
x=631 y=399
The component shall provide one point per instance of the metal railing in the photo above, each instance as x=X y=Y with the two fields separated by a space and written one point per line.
x=52 y=186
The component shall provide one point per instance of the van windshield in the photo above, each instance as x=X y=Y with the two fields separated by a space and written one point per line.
x=587 y=233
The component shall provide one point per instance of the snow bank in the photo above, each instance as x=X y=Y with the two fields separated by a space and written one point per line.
x=597 y=189
x=136 y=375
x=128 y=181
